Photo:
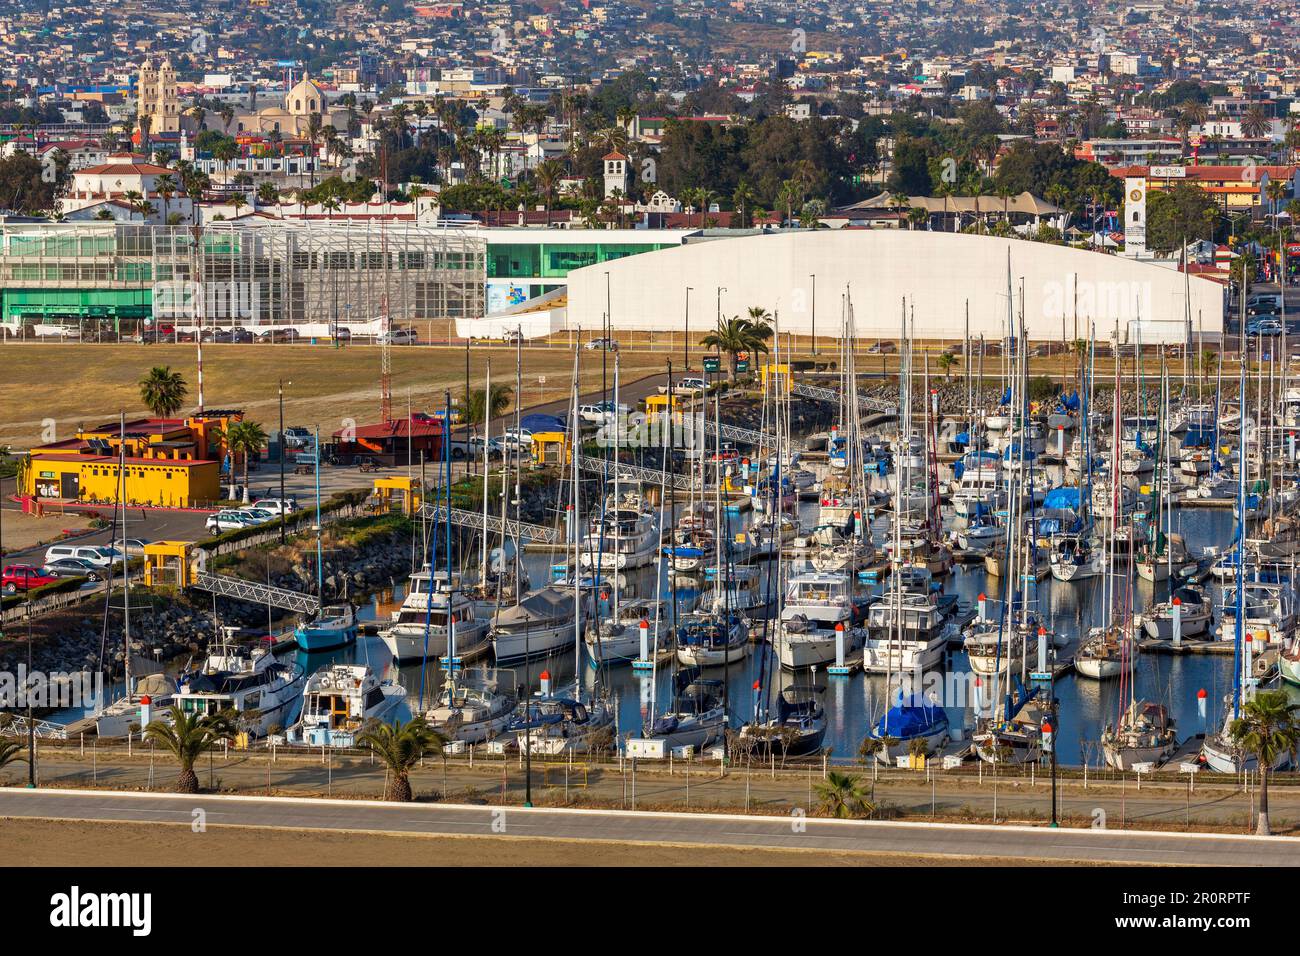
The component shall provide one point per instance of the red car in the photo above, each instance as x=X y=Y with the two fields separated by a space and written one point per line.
x=22 y=577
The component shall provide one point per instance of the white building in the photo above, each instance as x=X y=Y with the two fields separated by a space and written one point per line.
x=937 y=275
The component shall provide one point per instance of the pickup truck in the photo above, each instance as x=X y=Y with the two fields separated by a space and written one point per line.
x=685 y=385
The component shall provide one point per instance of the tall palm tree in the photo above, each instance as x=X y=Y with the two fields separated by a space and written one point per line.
x=736 y=335
x=165 y=185
x=163 y=391
x=400 y=746
x=242 y=439
x=188 y=737
x=548 y=174
x=473 y=404
x=268 y=194
x=1267 y=728
x=842 y=796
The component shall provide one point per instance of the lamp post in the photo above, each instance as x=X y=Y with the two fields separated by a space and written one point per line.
x=721 y=289
x=31 y=726
x=283 y=448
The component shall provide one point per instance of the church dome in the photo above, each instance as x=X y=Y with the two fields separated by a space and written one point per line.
x=305 y=98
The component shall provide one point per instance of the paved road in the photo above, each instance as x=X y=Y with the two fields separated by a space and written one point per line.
x=951 y=840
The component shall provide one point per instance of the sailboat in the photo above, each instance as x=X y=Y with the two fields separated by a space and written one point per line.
x=333 y=626
x=580 y=721
x=119 y=717
x=914 y=722
x=1145 y=735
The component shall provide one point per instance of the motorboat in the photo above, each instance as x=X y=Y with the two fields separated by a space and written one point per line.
x=333 y=627
x=421 y=627
x=340 y=701
x=260 y=691
x=817 y=607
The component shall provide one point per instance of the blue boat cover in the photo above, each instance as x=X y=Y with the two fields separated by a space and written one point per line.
x=1062 y=498
x=913 y=717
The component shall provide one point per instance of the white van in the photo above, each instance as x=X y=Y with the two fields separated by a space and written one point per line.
x=100 y=556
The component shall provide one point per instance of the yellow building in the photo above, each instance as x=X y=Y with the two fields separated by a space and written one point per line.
x=170 y=463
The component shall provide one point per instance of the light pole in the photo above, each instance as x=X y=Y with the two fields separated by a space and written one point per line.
x=721 y=289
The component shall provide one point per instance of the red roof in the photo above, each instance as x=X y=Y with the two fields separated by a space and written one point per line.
x=113 y=459
x=398 y=428
x=615 y=154
x=120 y=168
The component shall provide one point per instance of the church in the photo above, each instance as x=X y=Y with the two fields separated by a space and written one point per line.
x=291 y=118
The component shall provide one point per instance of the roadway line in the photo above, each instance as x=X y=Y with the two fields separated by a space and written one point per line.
x=1092 y=833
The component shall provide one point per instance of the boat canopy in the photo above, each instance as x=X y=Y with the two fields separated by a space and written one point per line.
x=914 y=716
x=1064 y=499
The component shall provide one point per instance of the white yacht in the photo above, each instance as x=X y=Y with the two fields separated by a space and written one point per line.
x=422 y=625
x=712 y=638
x=624 y=534
x=1269 y=614
x=474 y=705
x=618 y=639
x=339 y=701
x=249 y=681
x=906 y=631
x=815 y=604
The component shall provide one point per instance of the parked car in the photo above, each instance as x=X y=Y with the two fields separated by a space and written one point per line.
x=602 y=412
x=279 y=335
x=342 y=334
x=76 y=567
x=135 y=547
x=276 y=506
x=1264 y=327
x=24 y=577
x=685 y=385
x=595 y=345
x=511 y=336
x=216 y=336
x=493 y=446
x=295 y=436
x=515 y=438
x=228 y=520
x=101 y=556
x=399 y=336
x=257 y=515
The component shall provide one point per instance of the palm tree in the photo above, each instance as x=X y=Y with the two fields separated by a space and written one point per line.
x=475 y=406
x=242 y=439
x=842 y=796
x=946 y=361
x=1267 y=728
x=10 y=751
x=1255 y=123
x=548 y=174
x=188 y=737
x=267 y=194
x=400 y=747
x=163 y=391
x=736 y=335
x=165 y=185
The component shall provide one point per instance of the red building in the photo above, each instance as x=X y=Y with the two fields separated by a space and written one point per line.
x=397 y=442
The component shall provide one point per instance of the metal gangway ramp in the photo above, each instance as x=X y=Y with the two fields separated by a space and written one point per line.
x=822 y=394
x=518 y=530
x=255 y=593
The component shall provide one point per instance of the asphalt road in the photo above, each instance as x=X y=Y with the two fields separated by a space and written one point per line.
x=940 y=840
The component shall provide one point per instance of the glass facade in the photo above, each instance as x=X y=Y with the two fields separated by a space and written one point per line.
x=265 y=273
x=555 y=260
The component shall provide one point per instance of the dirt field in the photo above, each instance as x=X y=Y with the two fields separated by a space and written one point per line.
x=77 y=384
x=62 y=843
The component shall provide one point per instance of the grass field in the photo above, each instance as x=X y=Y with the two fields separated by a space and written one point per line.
x=76 y=384
x=85 y=384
